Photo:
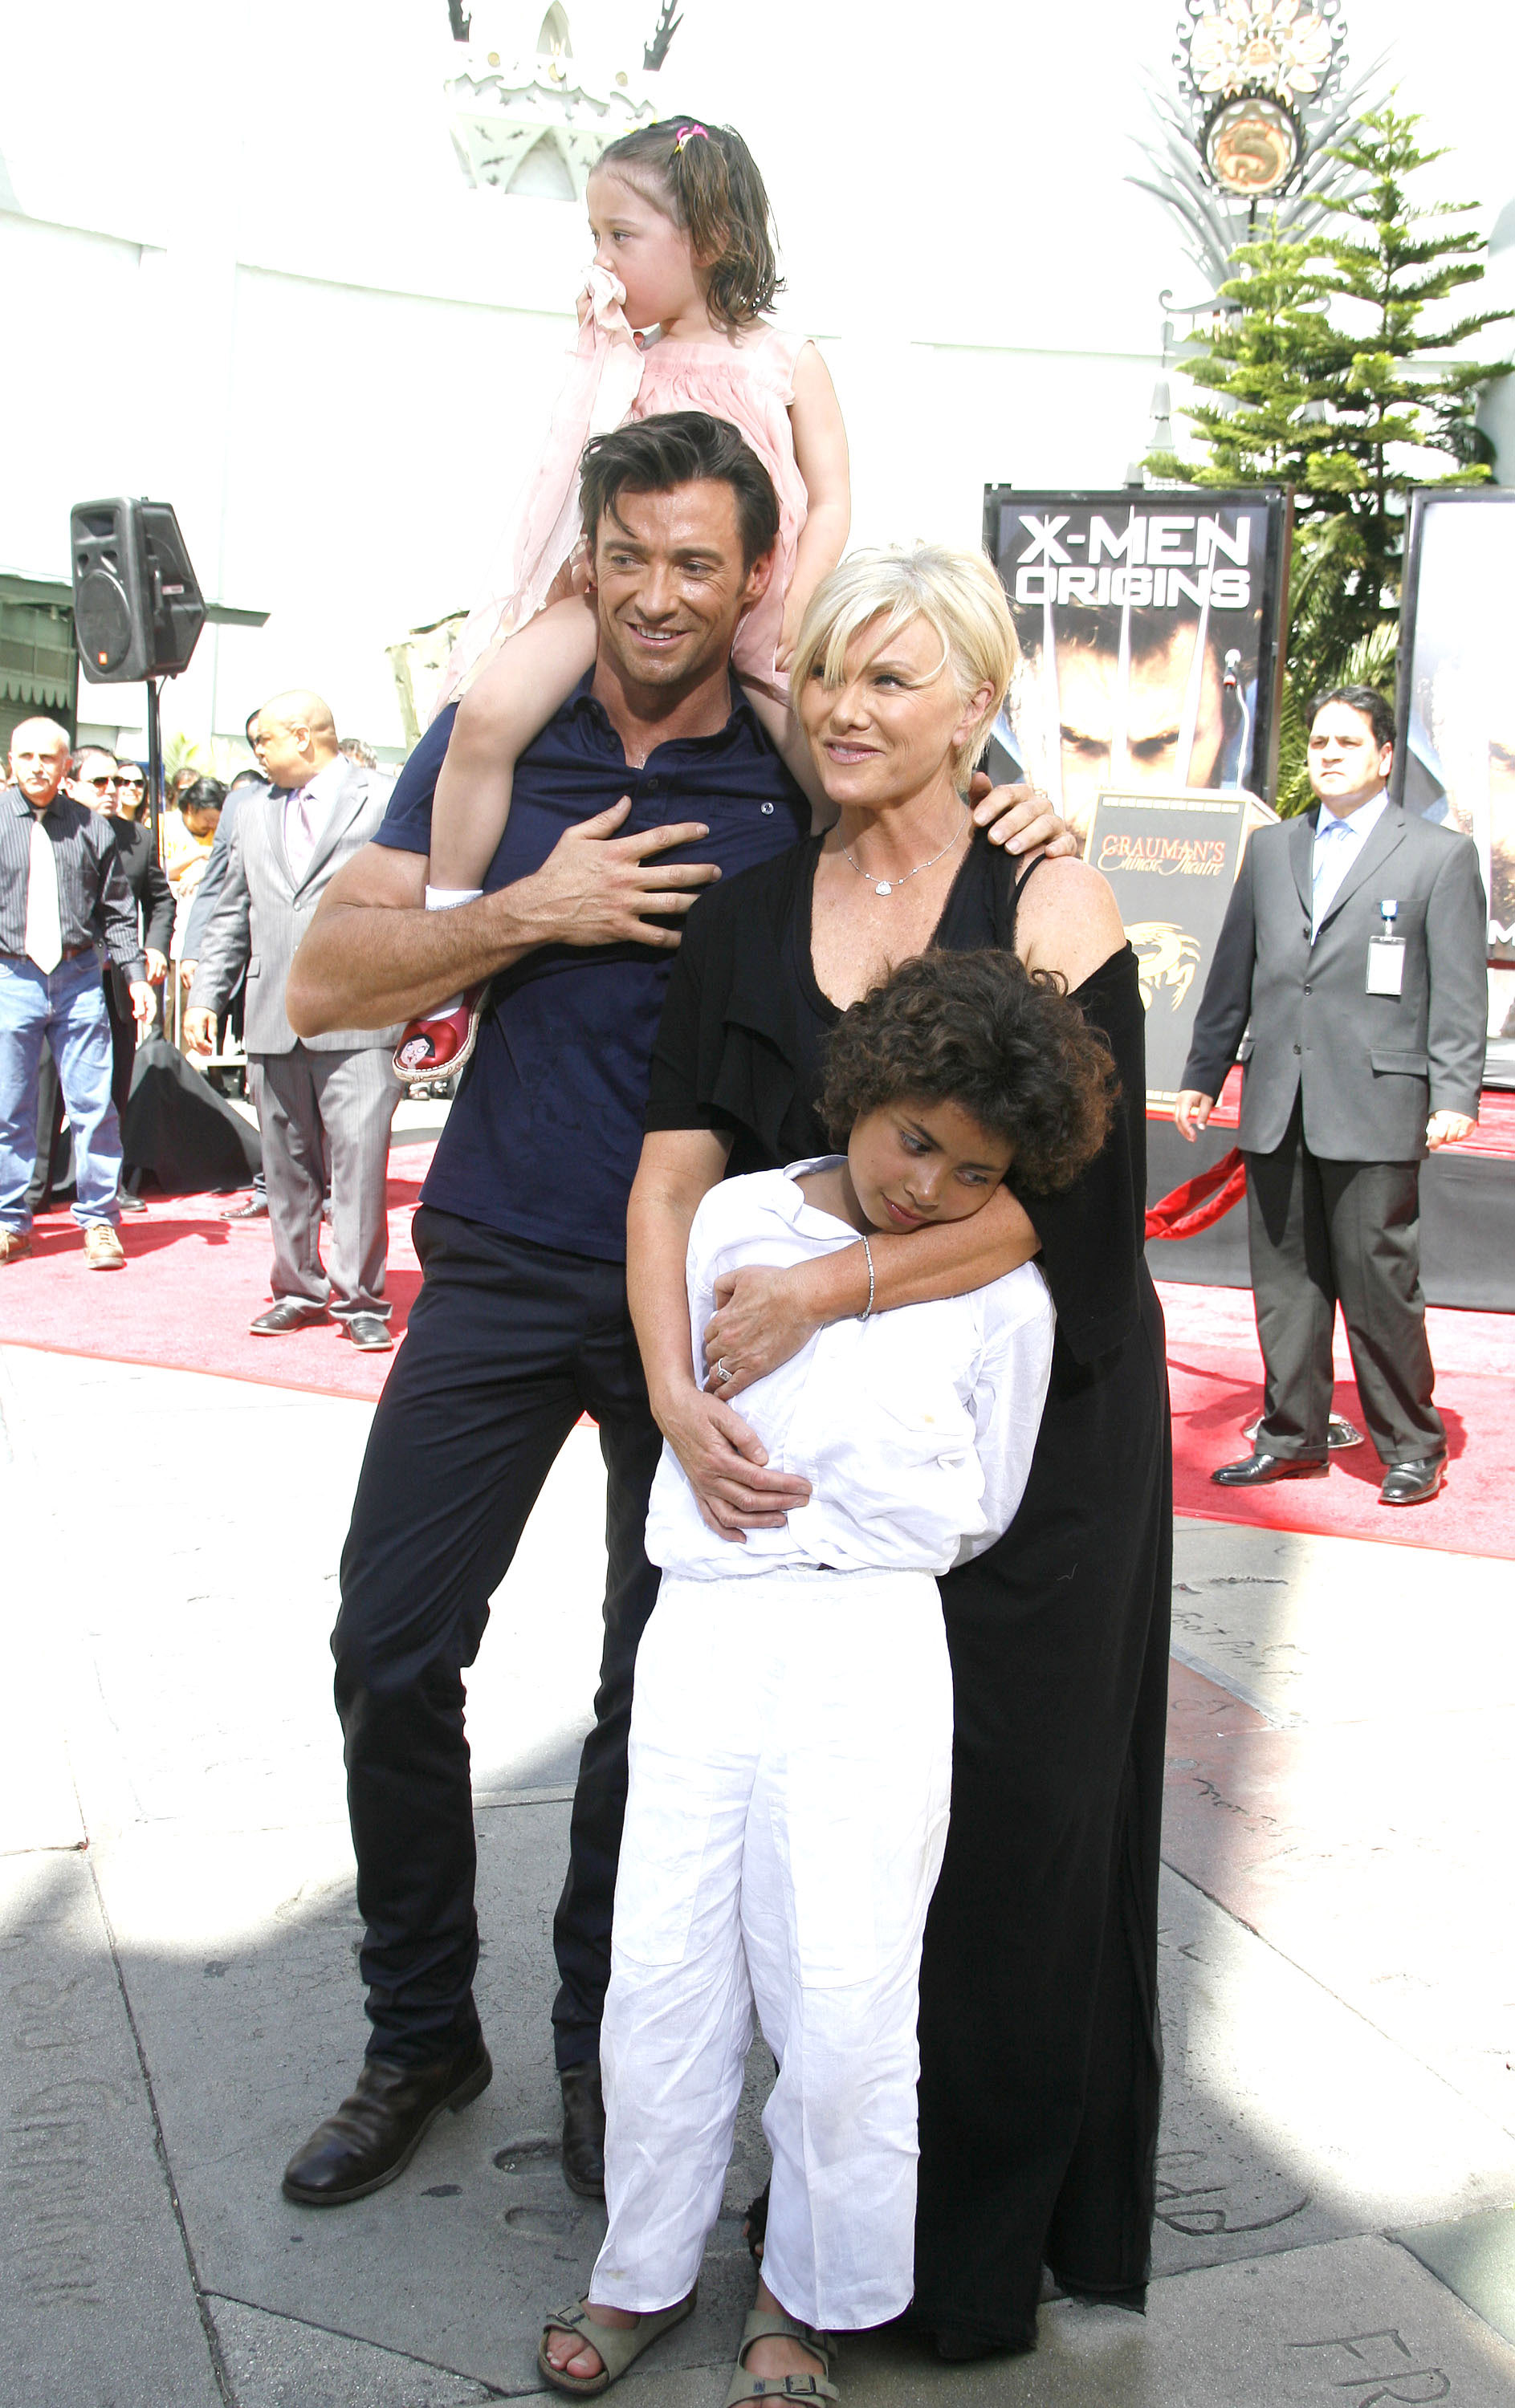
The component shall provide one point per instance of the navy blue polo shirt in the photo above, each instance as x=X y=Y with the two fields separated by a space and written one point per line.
x=543 y=1137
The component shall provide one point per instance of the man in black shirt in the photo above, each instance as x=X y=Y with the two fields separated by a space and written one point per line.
x=652 y=780
x=96 y=781
x=62 y=896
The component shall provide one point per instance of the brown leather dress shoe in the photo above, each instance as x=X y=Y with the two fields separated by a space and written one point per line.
x=375 y=2131
x=584 y=2130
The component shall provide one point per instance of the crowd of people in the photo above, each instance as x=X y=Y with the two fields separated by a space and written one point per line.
x=172 y=888
x=802 y=1145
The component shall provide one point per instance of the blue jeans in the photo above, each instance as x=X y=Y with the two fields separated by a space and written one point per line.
x=65 y=1008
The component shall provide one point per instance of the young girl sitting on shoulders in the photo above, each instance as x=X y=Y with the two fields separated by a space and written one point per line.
x=683 y=248
x=791 y=1732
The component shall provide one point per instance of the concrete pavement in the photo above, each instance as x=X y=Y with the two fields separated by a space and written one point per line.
x=176 y=1938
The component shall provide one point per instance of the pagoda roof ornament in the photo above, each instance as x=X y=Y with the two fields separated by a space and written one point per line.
x=1255 y=73
x=1252 y=118
x=538 y=122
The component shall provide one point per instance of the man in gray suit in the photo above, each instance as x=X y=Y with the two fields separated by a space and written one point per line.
x=1354 y=944
x=327 y=1103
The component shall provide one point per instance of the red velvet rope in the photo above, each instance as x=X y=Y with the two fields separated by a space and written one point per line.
x=1201 y=1202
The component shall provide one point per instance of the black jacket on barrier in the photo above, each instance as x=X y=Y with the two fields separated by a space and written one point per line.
x=1040 y=2047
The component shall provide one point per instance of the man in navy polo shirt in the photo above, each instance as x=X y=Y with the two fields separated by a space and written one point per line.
x=653 y=780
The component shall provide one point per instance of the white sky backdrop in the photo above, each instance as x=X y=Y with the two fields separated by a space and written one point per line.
x=347 y=354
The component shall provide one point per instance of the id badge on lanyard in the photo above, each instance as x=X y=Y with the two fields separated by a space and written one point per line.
x=1386 y=955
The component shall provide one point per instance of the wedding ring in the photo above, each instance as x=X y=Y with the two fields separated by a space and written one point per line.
x=721 y=1372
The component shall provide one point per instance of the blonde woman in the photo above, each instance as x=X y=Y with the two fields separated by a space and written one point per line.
x=1038 y=2028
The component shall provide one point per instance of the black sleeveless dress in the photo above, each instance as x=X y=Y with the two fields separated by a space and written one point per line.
x=1041 y=2053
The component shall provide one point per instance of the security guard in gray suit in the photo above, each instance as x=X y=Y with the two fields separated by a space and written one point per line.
x=1354 y=948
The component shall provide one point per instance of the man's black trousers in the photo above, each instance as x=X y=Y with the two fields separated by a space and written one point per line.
x=1322 y=1233
x=508 y=1344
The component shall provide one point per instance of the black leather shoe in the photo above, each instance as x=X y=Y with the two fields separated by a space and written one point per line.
x=254 y=1209
x=130 y=1203
x=287 y=1315
x=1413 y=1483
x=584 y=2130
x=376 y=2132
x=1260 y=1467
x=370 y=1331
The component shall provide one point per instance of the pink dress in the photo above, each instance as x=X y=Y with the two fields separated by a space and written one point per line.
x=614 y=376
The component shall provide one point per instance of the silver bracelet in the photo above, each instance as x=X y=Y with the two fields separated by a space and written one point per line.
x=868 y=1306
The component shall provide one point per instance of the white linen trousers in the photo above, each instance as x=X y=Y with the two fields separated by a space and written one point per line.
x=790 y=1777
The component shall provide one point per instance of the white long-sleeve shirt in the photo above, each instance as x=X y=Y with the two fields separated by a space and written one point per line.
x=914 y=1428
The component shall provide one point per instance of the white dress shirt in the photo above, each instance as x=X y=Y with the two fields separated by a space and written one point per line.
x=1338 y=844
x=914 y=1428
x=307 y=809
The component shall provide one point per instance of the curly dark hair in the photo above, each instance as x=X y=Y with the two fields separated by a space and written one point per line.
x=981 y=1031
x=705 y=179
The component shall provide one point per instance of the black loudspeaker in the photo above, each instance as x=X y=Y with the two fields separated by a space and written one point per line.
x=137 y=608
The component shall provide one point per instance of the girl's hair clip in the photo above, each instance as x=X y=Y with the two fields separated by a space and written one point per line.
x=687 y=134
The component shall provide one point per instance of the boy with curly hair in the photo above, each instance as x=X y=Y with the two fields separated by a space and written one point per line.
x=791 y=1733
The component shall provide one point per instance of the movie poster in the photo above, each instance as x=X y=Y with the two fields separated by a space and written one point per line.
x=1455 y=758
x=1149 y=626
x=1172 y=861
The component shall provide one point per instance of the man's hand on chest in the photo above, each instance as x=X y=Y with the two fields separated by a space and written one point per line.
x=598 y=887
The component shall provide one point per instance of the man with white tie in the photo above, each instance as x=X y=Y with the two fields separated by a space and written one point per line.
x=1353 y=957
x=328 y=1102
x=63 y=899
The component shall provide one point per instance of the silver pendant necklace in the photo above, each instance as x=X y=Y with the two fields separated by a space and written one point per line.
x=887 y=885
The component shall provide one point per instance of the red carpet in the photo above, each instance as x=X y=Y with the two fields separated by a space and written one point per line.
x=194 y=1282
x=1216 y=1372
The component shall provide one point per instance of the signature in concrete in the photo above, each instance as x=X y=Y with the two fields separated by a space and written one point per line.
x=1372 y=2368
x=1199 y=2198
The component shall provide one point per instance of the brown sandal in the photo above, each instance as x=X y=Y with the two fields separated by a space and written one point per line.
x=762 y=2326
x=617 y=2347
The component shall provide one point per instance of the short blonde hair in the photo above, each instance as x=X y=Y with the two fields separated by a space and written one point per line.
x=962 y=601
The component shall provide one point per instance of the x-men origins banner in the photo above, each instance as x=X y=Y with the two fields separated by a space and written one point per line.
x=1150 y=628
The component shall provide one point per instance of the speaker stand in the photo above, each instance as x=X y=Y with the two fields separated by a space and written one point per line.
x=154 y=736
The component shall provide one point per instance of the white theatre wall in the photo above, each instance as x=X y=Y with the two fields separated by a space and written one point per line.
x=243 y=271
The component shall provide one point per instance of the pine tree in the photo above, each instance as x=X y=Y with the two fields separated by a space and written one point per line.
x=1329 y=380
x=1391 y=263
x=1274 y=358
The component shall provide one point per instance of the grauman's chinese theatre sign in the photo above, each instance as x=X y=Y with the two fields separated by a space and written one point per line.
x=1150 y=628
x=1171 y=860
